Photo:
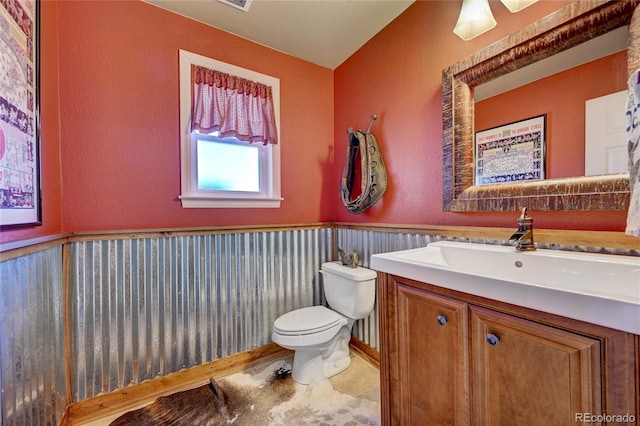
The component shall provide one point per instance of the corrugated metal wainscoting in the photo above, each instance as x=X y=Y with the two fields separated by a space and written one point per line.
x=367 y=243
x=142 y=308
x=139 y=308
x=32 y=367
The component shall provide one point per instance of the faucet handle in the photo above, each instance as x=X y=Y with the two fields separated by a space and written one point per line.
x=524 y=235
x=524 y=213
x=524 y=221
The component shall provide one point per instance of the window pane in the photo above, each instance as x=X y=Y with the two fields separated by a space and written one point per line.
x=228 y=167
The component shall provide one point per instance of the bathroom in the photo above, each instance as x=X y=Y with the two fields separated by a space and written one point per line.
x=111 y=178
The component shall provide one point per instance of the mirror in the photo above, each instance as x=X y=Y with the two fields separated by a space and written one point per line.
x=583 y=93
x=564 y=29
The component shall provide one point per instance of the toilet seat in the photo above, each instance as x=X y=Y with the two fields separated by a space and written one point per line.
x=310 y=320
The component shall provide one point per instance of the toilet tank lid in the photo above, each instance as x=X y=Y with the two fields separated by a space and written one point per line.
x=355 y=274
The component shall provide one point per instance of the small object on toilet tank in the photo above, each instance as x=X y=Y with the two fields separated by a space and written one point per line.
x=348 y=259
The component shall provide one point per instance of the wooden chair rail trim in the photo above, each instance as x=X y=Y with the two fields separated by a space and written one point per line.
x=605 y=239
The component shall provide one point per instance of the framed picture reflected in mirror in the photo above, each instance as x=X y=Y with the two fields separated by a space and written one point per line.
x=511 y=153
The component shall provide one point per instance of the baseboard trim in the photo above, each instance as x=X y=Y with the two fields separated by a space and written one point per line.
x=365 y=351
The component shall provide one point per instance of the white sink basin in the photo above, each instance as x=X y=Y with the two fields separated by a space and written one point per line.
x=597 y=288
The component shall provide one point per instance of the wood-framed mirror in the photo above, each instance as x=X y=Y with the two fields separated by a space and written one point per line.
x=566 y=28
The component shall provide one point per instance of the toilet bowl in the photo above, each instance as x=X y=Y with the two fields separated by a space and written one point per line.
x=320 y=336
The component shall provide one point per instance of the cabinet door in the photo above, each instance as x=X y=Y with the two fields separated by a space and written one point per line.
x=432 y=359
x=525 y=373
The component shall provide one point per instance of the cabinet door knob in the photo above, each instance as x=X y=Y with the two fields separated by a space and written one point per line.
x=493 y=340
x=442 y=319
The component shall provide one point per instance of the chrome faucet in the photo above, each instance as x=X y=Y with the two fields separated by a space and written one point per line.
x=524 y=235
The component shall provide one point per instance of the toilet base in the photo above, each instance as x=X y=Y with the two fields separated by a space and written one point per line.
x=314 y=364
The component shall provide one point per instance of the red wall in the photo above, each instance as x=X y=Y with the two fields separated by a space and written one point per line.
x=119 y=120
x=565 y=115
x=111 y=113
x=398 y=75
x=110 y=155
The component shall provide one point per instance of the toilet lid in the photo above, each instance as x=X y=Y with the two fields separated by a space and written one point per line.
x=313 y=319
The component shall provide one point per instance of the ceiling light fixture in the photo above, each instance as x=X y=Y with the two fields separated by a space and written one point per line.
x=517 y=5
x=475 y=19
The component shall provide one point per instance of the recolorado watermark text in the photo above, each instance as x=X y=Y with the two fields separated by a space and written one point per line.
x=605 y=418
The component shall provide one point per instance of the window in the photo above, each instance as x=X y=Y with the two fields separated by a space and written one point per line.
x=225 y=171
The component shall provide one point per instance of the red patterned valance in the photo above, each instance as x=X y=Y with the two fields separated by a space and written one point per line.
x=233 y=106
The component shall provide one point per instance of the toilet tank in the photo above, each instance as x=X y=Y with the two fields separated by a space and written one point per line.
x=350 y=291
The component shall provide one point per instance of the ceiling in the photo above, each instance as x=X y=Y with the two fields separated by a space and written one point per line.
x=324 y=32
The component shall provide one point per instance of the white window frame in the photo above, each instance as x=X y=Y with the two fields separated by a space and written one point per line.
x=191 y=196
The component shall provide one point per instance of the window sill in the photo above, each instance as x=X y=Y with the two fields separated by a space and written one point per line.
x=194 y=201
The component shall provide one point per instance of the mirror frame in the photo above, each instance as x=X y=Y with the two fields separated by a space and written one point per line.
x=568 y=27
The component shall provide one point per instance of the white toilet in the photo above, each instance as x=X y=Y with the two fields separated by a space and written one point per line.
x=320 y=336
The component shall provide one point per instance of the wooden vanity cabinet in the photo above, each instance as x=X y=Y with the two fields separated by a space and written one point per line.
x=431 y=373
x=525 y=373
x=449 y=358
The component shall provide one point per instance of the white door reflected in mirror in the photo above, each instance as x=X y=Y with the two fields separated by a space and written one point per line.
x=605 y=135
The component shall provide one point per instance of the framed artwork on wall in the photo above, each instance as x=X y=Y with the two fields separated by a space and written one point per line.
x=20 y=189
x=511 y=153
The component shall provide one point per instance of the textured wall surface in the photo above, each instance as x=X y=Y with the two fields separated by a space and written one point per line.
x=139 y=308
x=398 y=75
x=32 y=369
x=143 y=308
x=367 y=243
